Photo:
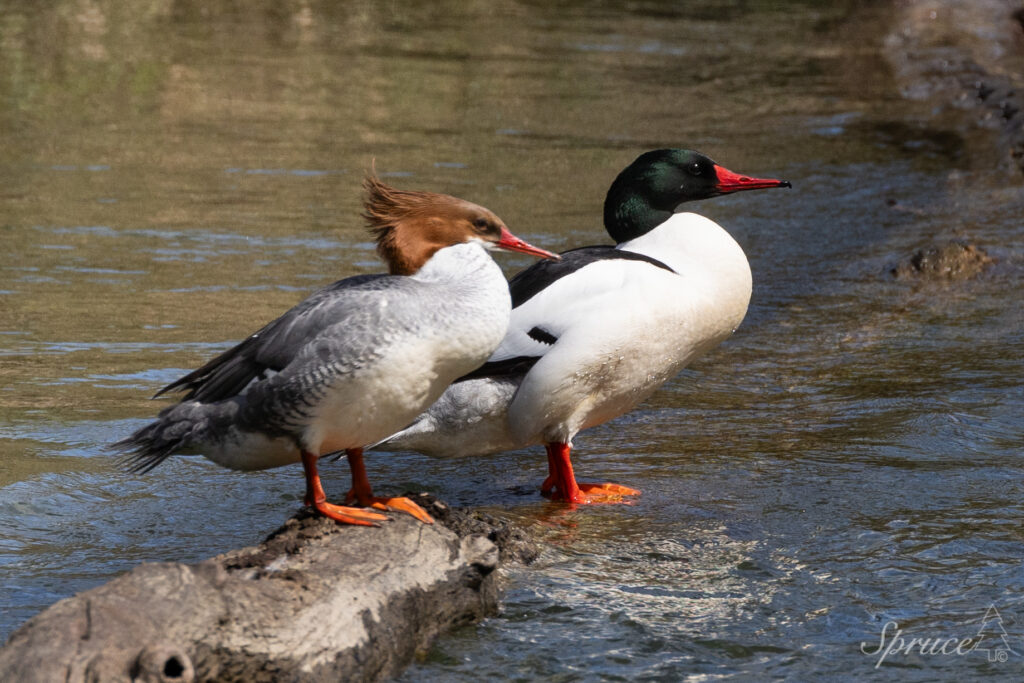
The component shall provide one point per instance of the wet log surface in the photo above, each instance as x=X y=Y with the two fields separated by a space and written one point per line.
x=315 y=601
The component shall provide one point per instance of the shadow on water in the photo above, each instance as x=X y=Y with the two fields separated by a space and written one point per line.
x=177 y=173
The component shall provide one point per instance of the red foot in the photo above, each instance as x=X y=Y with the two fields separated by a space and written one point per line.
x=561 y=483
x=317 y=499
x=362 y=493
x=347 y=515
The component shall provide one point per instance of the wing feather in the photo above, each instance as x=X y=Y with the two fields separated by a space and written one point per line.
x=279 y=342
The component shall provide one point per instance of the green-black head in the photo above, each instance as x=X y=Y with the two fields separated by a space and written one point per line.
x=650 y=189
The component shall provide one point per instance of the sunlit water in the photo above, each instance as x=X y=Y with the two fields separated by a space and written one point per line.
x=176 y=174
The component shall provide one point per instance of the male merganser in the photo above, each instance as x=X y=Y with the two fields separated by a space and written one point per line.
x=356 y=360
x=594 y=334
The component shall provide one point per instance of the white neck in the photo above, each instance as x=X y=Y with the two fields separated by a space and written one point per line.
x=699 y=249
x=458 y=262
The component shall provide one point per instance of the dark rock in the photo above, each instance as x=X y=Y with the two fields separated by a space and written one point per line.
x=955 y=260
x=315 y=601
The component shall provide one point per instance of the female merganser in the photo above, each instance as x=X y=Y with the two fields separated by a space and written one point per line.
x=594 y=334
x=356 y=360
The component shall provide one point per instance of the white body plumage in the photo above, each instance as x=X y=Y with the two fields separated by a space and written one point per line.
x=621 y=328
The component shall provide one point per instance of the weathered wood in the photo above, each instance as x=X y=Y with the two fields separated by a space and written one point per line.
x=315 y=601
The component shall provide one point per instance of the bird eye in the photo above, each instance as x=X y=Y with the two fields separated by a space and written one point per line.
x=695 y=168
x=480 y=224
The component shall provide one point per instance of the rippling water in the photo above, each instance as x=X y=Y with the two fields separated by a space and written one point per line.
x=177 y=173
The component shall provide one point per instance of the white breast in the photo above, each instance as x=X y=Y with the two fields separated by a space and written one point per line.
x=421 y=346
x=624 y=327
x=462 y=320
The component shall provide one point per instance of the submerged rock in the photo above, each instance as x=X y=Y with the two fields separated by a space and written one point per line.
x=955 y=260
x=315 y=601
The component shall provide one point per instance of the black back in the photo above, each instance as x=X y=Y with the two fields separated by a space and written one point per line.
x=531 y=282
x=534 y=279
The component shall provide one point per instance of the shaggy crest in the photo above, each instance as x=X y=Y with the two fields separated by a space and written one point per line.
x=385 y=209
x=411 y=225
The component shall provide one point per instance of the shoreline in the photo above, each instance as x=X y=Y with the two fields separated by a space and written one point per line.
x=963 y=61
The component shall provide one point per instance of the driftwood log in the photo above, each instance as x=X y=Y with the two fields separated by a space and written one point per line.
x=315 y=601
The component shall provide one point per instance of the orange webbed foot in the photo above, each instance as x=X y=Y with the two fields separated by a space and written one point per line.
x=608 y=490
x=347 y=515
x=401 y=504
x=595 y=494
x=362 y=493
x=317 y=499
x=561 y=482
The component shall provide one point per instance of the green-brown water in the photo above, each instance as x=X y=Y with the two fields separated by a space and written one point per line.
x=174 y=174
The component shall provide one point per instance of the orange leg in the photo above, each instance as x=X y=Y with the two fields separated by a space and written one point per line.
x=561 y=482
x=316 y=498
x=363 y=493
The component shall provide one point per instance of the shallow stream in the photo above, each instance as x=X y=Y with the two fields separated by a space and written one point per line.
x=177 y=173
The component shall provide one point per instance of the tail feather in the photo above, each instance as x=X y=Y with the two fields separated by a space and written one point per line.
x=176 y=430
x=145 y=449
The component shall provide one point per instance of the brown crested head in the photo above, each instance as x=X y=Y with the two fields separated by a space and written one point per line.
x=411 y=226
